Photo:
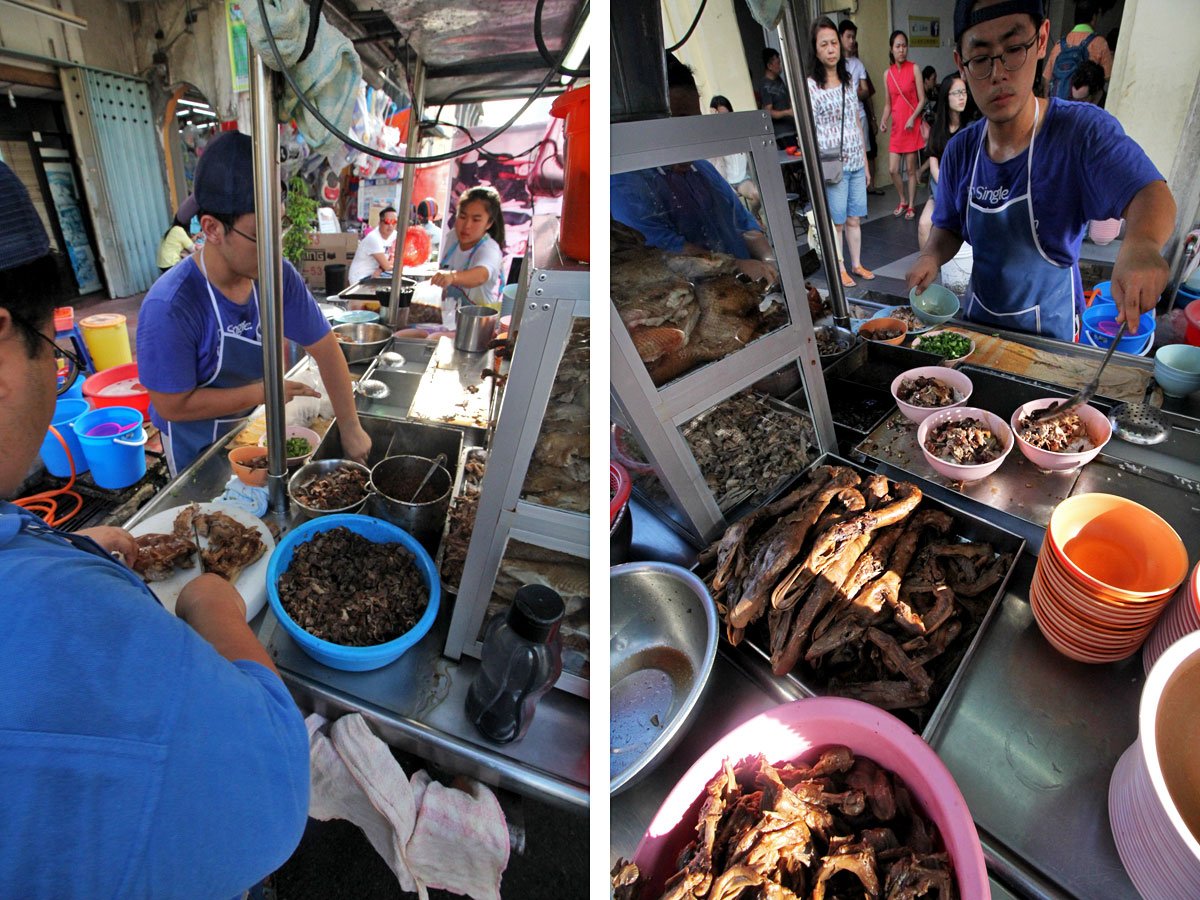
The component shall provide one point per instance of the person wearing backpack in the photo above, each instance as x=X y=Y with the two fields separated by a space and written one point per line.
x=1081 y=43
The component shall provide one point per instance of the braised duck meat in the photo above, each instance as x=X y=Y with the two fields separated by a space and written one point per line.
x=965 y=442
x=230 y=546
x=828 y=343
x=882 y=334
x=344 y=486
x=925 y=392
x=1064 y=434
x=159 y=555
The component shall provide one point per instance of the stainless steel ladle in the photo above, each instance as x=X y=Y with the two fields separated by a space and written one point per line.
x=1089 y=390
x=1140 y=423
x=440 y=459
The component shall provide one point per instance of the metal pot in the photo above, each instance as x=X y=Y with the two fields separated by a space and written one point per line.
x=475 y=329
x=392 y=482
x=309 y=471
x=361 y=340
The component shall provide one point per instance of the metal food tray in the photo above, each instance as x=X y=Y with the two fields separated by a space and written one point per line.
x=877 y=365
x=460 y=483
x=966 y=526
x=856 y=408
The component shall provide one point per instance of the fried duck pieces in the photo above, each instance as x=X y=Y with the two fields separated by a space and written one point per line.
x=159 y=555
x=841 y=827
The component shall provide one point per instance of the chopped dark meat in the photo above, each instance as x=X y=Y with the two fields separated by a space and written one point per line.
x=1063 y=434
x=926 y=392
x=857 y=859
x=906 y=315
x=965 y=442
x=925 y=875
x=159 y=555
x=828 y=344
x=884 y=694
x=343 y=487
x=882 y=334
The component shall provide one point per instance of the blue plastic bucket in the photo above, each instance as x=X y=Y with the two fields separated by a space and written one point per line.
x=1100 y=325
x=67 y=411
x=117 y=460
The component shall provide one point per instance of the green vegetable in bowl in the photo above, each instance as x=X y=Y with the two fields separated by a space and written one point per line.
x=297 y=446
x=947 y=344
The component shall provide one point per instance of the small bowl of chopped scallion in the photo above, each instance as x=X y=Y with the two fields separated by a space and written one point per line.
x=946 y=344
x=301 y=444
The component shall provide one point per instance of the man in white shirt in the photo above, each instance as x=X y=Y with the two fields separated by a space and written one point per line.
x=372 y=256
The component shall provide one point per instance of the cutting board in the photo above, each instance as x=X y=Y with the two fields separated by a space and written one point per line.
x=1118 y=382
x=251 y=584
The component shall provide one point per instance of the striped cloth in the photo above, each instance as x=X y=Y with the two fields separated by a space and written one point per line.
x=22 y=235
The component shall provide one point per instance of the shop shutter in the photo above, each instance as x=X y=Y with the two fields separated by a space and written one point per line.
x=117 y=141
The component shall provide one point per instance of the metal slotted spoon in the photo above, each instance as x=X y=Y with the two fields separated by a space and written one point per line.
x=1089 y=389
x=440 y=459
x=1140 y=423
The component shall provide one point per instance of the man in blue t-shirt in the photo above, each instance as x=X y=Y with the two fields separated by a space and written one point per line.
x=142 y=755
x=1022 y=184
x=199 y=341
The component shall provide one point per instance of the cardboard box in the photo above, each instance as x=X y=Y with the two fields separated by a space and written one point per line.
x=323 y=250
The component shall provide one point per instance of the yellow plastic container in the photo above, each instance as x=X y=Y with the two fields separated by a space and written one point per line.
x=107 y=340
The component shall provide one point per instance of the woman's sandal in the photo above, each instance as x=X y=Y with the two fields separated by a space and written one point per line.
x=899 y=210
x=864 y=273
x=847 y=281
x=909 y=213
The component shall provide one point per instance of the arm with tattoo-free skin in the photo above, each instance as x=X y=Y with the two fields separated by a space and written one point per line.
x=1140 y=273
x=335 y=376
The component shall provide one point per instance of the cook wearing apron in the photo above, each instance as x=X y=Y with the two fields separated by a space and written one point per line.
x=239 y=362
x=1016 y=286
x=453 y=294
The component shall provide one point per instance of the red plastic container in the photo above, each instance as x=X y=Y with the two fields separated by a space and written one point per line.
x=64 y=318
x=619 y=485
x=574 y=234
x=135 y=395
x=1192 y=311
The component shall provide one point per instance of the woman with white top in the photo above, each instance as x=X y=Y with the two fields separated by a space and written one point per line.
x=471 y=261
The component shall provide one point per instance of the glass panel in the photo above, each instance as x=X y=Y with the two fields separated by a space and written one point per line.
x=693 y=272
x=558 y=470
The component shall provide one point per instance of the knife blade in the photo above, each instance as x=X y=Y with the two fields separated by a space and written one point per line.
x=196 y=535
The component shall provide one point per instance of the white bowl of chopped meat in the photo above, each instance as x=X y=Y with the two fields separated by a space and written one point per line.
x=965 y=443
x=1063 y=444
x=922 y=391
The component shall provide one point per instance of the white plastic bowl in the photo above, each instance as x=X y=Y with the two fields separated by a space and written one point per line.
x=917 y=414
x=1098 y=427
x=954 y=471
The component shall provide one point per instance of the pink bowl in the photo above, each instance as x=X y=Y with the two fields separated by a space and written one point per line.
x=954 y=471
x=1096 y=423
x=801 y=730
x=956 y=379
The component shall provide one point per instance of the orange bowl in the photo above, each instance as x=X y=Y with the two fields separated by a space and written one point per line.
x=1095 y=606
x=239 y=456
x=1067 y=647
x=873 y=327
x=1120 y=547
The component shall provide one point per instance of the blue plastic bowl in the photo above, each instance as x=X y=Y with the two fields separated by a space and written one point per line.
x=1100 y=326
x=937 y=305
x=1177 y=369
x=356 y=315
x=337 y=656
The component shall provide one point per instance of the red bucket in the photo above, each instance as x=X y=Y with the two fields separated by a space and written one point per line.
x=1192 y=312
x=118 y=386
x=574 y=107
x=619 y=486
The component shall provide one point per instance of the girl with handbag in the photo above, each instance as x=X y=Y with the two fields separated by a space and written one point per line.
x=902 y=112
x=840 y=142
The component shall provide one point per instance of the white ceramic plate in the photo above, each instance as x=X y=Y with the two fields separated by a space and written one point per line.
x=252 y=583
x=887 y=311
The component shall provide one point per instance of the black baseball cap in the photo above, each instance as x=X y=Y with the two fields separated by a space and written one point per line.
x=965 y=18
x=224 y=181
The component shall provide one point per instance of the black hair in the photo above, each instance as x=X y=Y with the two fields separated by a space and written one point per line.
x=30 y=292
x=1089 y=74
x=490 y=199
x=226 y=219
x=769 y=54
x=679 y=75
x=720 y=100
x=891 y=40
x=387 y=209
x=927 y=71
x=939 y=131
x=1085 y=11
x=818 y=68
x=1111 y=38
x=846 y=25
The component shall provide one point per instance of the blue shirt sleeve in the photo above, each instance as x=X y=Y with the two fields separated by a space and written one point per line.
x=949 y=208
x=303 y=321
x=634 y=201
x=742 y=218
x=170 y=336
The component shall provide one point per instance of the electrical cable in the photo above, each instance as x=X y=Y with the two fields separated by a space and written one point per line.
x=545 y=51
x=45 y=503
x=691 y=28
x=379 y=154
x=314 y=24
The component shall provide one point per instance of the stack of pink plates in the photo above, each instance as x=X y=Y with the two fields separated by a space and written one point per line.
x=1153 y=801
x=1107 y=570
x=1182 y=617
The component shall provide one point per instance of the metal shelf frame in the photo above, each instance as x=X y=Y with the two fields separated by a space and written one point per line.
x=655 y=415
x=554 y=293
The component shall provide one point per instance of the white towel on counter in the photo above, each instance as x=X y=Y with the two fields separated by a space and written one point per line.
x=430 y=835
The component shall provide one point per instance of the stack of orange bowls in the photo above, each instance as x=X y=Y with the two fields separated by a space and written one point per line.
x=1107 y=570
x=1182 y=617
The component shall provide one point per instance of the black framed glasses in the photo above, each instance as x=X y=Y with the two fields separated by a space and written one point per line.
x=1012 y=59
x=70 y=355
x=248 y=237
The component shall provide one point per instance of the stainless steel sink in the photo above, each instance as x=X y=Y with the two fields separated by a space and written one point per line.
x=401 y=388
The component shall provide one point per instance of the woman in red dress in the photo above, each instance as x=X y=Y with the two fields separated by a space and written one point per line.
x=902 y=112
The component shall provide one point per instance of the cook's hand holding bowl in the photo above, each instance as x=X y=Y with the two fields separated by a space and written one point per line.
x=1099 y=431
x=963 y=472
x=952 y=378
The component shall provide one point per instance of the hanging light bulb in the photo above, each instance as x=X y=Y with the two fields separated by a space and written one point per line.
x=12 y=100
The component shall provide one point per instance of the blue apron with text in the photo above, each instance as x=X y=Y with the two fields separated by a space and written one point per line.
x=1014 y=284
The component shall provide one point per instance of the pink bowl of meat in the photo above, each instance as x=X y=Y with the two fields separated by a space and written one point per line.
x=965 y=443
x=922 y=391
x=1063 y=444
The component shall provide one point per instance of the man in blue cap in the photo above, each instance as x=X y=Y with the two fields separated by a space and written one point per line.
x=1022 y=183
x=199 y=340
x=141 y=754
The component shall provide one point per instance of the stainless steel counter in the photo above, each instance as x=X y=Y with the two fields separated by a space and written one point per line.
x=416 y=703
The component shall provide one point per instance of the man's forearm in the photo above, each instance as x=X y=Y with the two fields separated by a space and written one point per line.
x=759 y=246
x=1150 y=216
x=207 y=403
x=335 y=376
x=941 y=245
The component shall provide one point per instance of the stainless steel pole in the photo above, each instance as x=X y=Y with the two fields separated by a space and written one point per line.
x=795 y=24
x=270 y=274
x=406 y=192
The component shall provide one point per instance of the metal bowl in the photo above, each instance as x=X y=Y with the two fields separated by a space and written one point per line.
x=361 y=340
x=844 y=338
x=661 y=649
x=309 y=471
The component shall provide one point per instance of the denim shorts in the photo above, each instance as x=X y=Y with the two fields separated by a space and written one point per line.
x=848 y=197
